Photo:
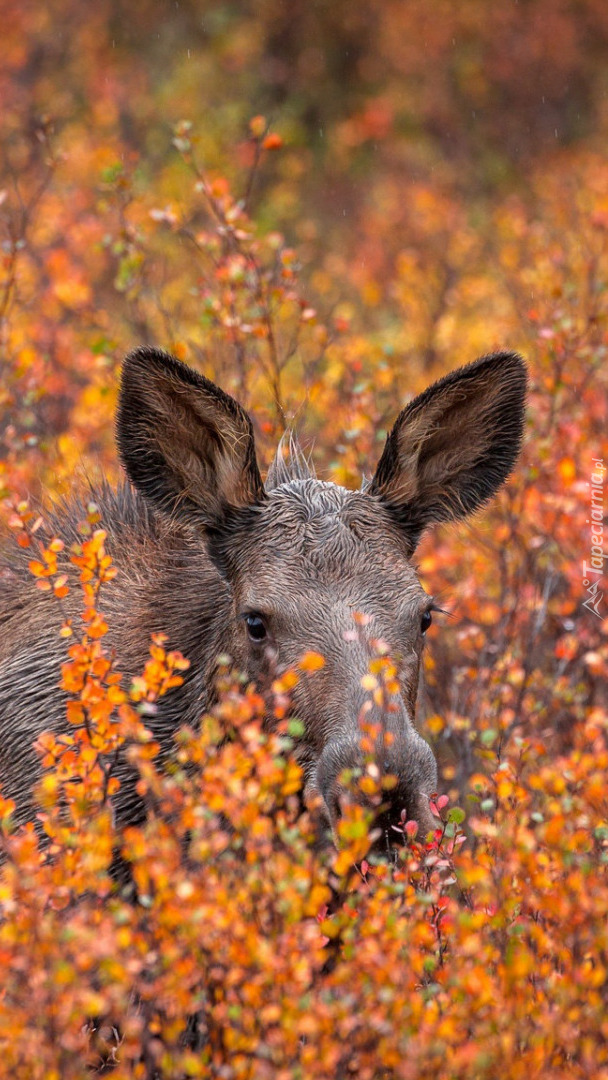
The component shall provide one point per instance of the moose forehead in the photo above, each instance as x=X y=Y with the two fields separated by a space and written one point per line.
x=309 y=533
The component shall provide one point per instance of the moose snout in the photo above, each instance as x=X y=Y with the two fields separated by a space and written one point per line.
x=405 y=774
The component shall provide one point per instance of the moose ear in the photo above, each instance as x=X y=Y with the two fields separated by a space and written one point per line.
x=186 y=445
x=453 y=445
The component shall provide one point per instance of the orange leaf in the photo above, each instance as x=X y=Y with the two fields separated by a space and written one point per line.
x=311 y=661
x=272 y=142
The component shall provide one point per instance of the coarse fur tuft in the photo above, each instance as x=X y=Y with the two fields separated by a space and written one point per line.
x=289 y=463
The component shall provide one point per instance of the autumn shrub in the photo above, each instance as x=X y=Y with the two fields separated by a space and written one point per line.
x=241 y=947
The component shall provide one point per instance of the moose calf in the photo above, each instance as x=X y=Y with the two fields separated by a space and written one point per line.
x=223 y=563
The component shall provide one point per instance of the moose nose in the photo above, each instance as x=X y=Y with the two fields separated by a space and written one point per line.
x=407 y=759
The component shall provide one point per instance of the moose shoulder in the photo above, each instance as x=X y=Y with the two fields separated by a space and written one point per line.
x=223 y=563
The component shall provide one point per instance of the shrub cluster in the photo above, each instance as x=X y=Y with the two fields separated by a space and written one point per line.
x=228 y=942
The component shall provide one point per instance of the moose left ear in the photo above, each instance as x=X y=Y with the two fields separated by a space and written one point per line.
x=453 y=445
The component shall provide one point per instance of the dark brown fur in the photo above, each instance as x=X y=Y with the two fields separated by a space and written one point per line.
x=208 y=555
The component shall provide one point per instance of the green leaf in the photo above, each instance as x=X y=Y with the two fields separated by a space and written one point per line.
x=295 y=727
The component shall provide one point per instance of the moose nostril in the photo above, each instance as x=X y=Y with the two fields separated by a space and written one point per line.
x=391 y=821
x=332 y=804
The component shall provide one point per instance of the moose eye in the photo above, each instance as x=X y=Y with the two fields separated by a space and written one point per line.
x=256 y=627
x=425 y=621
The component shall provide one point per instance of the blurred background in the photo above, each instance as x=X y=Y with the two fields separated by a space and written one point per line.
x=324 y=207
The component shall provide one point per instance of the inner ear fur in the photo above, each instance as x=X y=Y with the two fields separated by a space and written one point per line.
x=187 y=446
x=454 y=444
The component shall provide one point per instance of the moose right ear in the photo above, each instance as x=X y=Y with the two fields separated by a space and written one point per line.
x=186 y=445
x=453 y=445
